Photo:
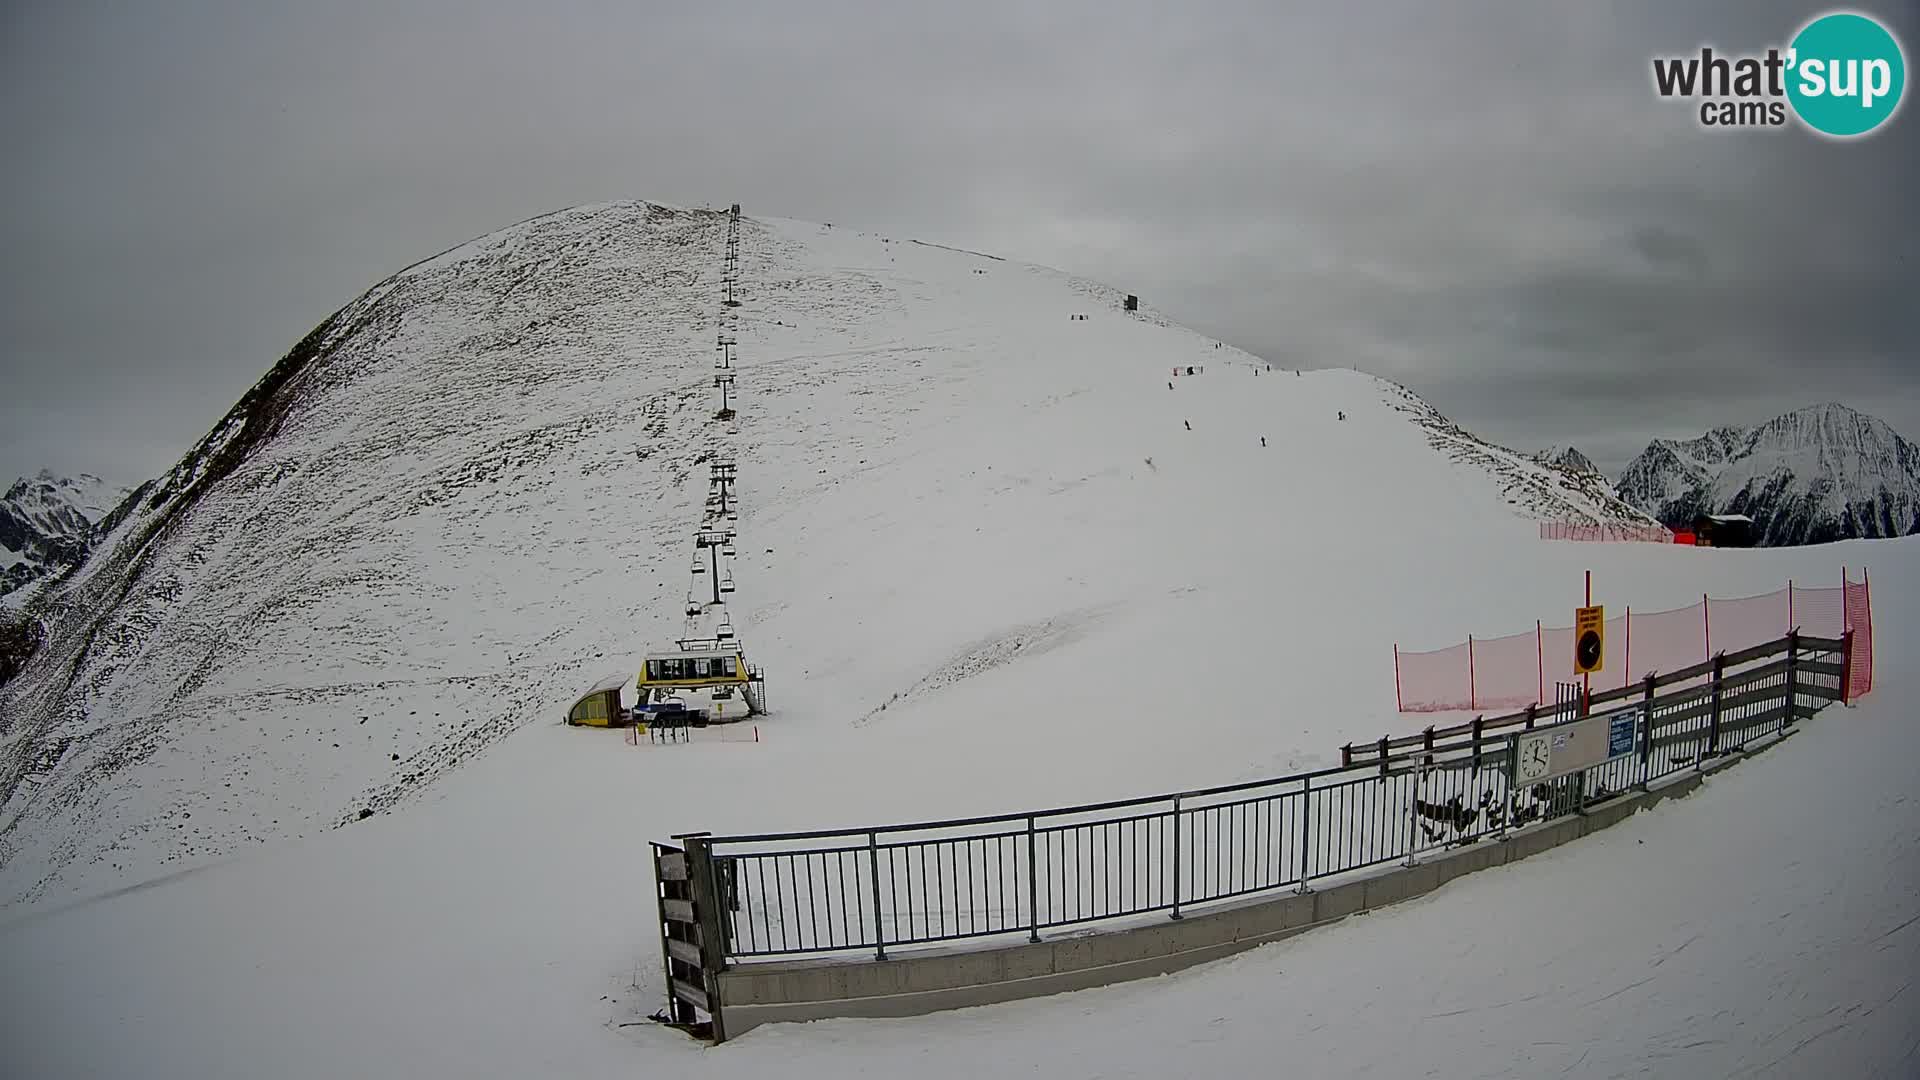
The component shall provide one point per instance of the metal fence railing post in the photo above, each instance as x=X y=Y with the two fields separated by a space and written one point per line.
x=873 y=869
x=1846 y=661
x=1646 y=736
x=1306 y=801
x=1793 y=664
x=1413 y=812
x=704 y=887
x=1713 y=713
x=1176 y=856
x=1514 y=787
x=1033 y=885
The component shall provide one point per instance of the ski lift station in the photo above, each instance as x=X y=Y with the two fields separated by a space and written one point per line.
x=709 y=679
x=702 y=682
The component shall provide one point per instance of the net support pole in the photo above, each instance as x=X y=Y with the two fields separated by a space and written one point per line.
x=1626 y=663
x=1473 y=686
x=1399 y=703
x=1586 y=680
x=1866 y=590
x=1706 y=622
x=1539 y=664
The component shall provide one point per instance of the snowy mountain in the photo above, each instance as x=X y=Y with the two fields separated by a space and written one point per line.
x=1818 y=474
x=45 y=521
x=471 y=492
x=1567 y=457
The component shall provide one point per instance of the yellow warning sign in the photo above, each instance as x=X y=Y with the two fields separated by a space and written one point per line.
x=1589 y=639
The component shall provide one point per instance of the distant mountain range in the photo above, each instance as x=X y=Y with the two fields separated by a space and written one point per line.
x=45 y=523
x=1814 y=475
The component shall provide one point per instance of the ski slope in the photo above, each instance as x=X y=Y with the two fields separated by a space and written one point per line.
x=1765 y=926
x=990 y=562
x=473 y=492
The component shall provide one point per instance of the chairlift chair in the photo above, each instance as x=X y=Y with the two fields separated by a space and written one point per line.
x=699 y=567
x=726 y=584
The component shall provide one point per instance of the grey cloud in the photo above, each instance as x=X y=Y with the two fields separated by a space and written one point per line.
x=1492 y=208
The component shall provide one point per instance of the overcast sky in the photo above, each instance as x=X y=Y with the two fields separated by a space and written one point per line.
x=1483 y=201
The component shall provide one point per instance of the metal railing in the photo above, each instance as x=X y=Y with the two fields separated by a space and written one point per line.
x=876 y=888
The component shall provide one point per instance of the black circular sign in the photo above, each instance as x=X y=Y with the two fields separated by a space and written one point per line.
x=1587 y=650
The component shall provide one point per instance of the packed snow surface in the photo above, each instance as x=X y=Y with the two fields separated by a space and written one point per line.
x=1766 y=925
x=991 y=562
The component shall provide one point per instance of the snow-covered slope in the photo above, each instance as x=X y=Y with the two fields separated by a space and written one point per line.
x=1762 y=927
x=45 y=521
x=1550 y=490
x=1822 y=473
x=470 y=493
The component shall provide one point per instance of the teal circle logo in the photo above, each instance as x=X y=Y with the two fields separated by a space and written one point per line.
x=1845 y=74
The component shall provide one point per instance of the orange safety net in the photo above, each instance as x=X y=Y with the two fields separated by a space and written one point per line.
x=1521 y=669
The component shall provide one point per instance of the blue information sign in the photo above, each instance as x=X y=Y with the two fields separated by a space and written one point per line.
x=1620 y=733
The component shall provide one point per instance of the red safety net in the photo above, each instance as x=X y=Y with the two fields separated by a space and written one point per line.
x=1571 y=530
x=1521 y=669
x=1746 y=622
x=1506 y=672
x=1433 y=681
x=1859 y=618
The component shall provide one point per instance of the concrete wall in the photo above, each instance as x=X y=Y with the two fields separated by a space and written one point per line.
x=929 y=981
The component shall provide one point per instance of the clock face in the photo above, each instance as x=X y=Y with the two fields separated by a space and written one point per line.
x=1587 y=651
x=1532 y=759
